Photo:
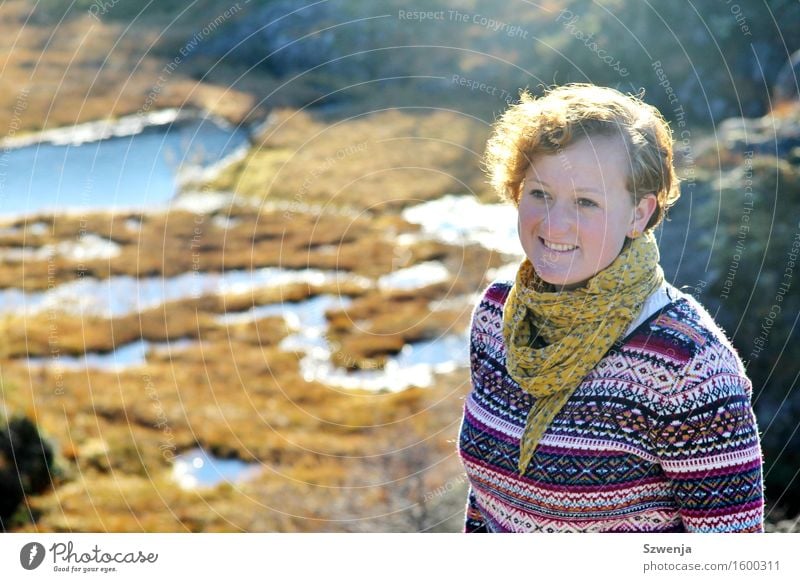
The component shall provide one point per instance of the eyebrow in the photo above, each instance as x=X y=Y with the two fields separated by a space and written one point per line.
x=583 y=189
x=592 y=190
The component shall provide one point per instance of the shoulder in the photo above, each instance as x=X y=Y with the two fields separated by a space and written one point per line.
x=691 y=337
x=497 y=291
x=487 y=314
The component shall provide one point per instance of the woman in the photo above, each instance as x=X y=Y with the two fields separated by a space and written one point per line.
x=603 y=398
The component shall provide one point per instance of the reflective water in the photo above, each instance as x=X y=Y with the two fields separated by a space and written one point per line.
x=199 y=468
x=456 y=219
x=122 y=295
x=125 y=356
x=125 y=171
x=461 y=219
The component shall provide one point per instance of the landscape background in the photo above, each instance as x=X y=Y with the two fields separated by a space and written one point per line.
x=241 y=242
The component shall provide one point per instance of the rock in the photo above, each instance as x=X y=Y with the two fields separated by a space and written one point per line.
x=786 y=83
x=776 y=134
x=26 y=461
x=783 y=526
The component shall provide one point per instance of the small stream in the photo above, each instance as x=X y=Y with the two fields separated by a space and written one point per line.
x=415 y=365
x=462 y=219
x=123 y=295
x=124 y=357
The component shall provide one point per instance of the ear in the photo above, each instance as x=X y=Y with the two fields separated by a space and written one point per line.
x=642 y=212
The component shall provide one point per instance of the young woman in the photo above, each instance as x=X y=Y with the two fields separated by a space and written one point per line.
x=603 y=398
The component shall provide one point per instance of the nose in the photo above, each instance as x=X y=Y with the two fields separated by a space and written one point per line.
x=559 y=220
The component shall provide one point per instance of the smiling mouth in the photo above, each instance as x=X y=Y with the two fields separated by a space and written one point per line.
x=559 y=248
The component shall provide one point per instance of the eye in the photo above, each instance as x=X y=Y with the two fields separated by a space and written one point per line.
x=586 y=203
x=538 y=193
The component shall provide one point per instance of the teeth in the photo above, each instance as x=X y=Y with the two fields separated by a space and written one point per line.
x=557 y=247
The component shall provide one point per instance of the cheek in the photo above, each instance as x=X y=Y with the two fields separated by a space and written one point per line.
x=527 y=216
x=604 y=236
x=601 y=221
x=601 y=234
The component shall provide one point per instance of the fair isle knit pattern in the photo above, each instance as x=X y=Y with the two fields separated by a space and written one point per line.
x=659 y=437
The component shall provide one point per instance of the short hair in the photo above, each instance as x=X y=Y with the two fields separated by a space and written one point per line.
x=565 y=114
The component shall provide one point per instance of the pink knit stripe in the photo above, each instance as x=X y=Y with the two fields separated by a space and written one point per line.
x=487 y=423
x=702 y=470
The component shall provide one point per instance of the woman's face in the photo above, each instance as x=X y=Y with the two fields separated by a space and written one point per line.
x=575 y=211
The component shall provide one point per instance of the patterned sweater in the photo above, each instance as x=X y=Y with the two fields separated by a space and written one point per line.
x=659 y=437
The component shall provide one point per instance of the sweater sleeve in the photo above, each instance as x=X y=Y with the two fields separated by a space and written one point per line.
x=473 y=518
x=474 y=522
x=706 y=439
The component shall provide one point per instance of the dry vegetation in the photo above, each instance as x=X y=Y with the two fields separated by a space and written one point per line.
x=84 y=70
x=176 y=242
x=373 y=163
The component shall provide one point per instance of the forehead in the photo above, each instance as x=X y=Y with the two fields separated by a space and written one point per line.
x=589 y=158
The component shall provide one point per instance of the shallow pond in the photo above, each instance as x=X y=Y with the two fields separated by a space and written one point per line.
x=93 y=166
x=198 y=468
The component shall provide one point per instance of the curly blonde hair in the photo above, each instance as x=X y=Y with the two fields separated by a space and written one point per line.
x=565 y=114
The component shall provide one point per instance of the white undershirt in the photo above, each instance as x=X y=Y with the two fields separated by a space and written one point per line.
x=662 y=296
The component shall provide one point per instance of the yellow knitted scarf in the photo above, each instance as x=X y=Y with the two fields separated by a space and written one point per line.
x=554 y=338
